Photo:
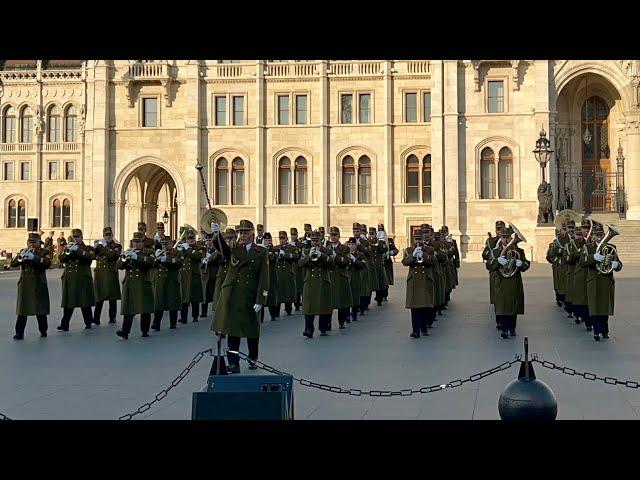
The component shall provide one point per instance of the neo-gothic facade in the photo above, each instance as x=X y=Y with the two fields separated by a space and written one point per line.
x=94 y=143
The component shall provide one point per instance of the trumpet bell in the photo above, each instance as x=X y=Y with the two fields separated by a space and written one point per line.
x=213 y=215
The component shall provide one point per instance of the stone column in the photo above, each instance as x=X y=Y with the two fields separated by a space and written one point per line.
x=325 y=161
x=437 y=143
x=388 y=148
x=194 y=204
x=451 y=204
x=94 y=174
x=632 y=168
x=259 y=193
x=39 y=138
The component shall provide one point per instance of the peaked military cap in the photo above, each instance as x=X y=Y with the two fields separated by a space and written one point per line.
x=316 y=235
x=34 y=237
x=230 y=231
x=500 y=223
x=245 y=226
x=267 y=236
x=258 y=226
x=307 y=227
x=334 y=231
x=138 y=236
x=585 y=223
x=381 y=226
x=76 y=232
x=293 y=231
x=356 y=225
x=107 y=231
x=351 y=240
x=141 y=224
x=160 y=225
x=507 y=231
x=282 y=234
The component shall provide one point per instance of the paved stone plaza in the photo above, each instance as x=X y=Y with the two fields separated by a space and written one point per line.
x=94 y=375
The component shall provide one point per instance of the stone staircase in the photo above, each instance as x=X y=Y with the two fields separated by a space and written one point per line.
x=628 y=242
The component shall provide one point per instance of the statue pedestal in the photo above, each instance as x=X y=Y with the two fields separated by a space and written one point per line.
x=545 y=234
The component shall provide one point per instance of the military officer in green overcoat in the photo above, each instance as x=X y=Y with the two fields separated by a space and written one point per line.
x=105 y=276
x=340 y=285
x=553 y=257
x=378 y=250
x=287 y=260
x=388 y=263
x=356 y=266
x=77 y=282
x=578 y=286
x=429 y=239
x=421 y=260
x=137 y=290
x=509 y=294
x=362 y=246
x=446 y=267
x=190 y=277
x=562 y=242
x=489 y=254
x=259 y=234
x=210 y=264
x=61 y=242
x=371 y=268
x=244 y=293
x=297 y=243
x=166 y=288
x=601 y=286
x=157 y=239
x=272 y=299
x=33 y=292
x=570 y=263
x=317 y=262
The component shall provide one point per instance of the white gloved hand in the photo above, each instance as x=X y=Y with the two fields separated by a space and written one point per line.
x=380 y=235
x=73 y=247
x=363 y=236
x=156 y=238
x=215 y=228
x=518 y=263
x=415 y=251
x=502 y=261
x=163 y=259
x=133 y=256
x=615 y=264
x=29 y=256
x=281 y=254
x=352 y=257
x=292 y=243
x=257 y=307
x=598 y=257
x=186 y=246
x=103 y=242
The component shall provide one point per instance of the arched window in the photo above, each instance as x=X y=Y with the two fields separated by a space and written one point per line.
x=301 y=180
x=595 y=115
x=348 y=180
x=222 y=181
x=413 y=179
x=22 y=214
x=487 y=174
x=505 y=173
x=13 y=214
x=9 y=125
x=284 y=181
x=66 y=213
x=364 y=180
x=426 y=179
x=237 y=181
x=53 y=120
x=57 y=214
x=26 y=125
x=70 y=121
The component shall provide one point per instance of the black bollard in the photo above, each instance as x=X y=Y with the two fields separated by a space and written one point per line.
x=218 y=367
x=527 y=398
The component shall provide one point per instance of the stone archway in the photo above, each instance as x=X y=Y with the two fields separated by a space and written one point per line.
x=588 y=176
x=145 y=190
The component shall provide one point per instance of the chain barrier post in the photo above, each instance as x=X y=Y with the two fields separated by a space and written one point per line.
x=527 y=398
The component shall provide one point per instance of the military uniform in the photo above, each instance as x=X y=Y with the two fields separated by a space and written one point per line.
x=244 y=292
x=570 y=263
x=166 y=288
x=272 y=303
x=149 y=243
x=191 y=279
x=137 y=290
x=316 y=296
x=299 y=274
x=341 y=297
x=105 y=277
x=509 y=294
x=211 y=262
x=356 y=266
x=33 y=292
x=553 y=256
x=223 y=262
x=286 y=262
x=601 y=288
x=77 y=283
x=388 y=263
x=365 y=273
x=379 y=249
x=259 y=234
x=420 y=286
x=488 y=254
x=61 y=243
x=578 y=286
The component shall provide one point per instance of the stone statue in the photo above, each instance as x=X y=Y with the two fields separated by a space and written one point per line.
x=568 y=198
x=545 y=203
x=38 y=121
x=82 y=120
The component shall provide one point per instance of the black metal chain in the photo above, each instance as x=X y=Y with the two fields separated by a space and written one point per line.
x=383 y=393
x=586 y=375
x=165 y=391
x=3 y=417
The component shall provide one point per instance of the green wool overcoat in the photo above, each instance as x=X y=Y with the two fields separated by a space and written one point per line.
x=105 y=276
x=33 y=292
x=77 y=282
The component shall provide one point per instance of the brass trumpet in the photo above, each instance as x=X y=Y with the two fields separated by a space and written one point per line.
x=22 y=253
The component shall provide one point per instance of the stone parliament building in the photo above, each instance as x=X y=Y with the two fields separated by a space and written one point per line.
x=85 y=144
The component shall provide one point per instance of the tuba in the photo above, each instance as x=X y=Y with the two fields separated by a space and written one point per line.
x=512 y=255
x=609 y=251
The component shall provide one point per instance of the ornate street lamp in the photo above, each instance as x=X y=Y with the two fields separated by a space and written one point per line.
x=543 y=151
x=165 y=217
x=542 y=154
x=586 y=136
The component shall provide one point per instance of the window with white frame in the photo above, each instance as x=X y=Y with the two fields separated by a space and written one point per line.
x=16 y=213
x=26 y=125
x=426 y=107
x=220 y=110
x=9 y=125
x=61 y=212
x=229 y=181
x=69 y=170
x=238 y=110
x=25 y=170
x=410 y=107
x=356 y=107
x=150 y=112
x=53 y=122
x=495 y=96
x=505 y=173
x=487 y=173
x=292 y=181
x=301 y=109
x=70 y=123
x=283 y=109
x=356 y=180
x=418 y=179
x=7 y=171
x=53 y=170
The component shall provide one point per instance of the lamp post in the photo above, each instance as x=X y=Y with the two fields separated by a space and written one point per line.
x=543 y=151
x=542 y=154
x=165 y=217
